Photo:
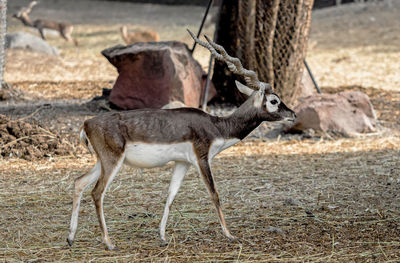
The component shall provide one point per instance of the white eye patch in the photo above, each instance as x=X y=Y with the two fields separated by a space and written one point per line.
x=272 y=103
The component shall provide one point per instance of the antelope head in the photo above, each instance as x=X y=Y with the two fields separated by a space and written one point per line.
x=24 y=11
x=262 y=98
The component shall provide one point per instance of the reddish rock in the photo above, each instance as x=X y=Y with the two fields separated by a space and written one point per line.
x=153 y=74
x=346 y=113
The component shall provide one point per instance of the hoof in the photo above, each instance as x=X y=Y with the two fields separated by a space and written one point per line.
x=70 y=242
x=112 y=248
x=237 y=240
x=233 y=238
x=163 y=243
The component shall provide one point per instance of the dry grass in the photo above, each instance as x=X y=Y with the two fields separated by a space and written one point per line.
x=356 y=45
x=65 y=90
x=335 y=201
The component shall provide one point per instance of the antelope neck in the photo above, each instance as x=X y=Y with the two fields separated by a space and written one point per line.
x=124 y=31
x=238 y=125
x=26 y=20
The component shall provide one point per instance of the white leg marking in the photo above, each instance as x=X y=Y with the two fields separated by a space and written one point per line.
x=176 y=182
x=81 y=184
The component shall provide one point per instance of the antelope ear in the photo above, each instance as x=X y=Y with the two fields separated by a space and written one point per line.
x=243 y=88
x=258 y=99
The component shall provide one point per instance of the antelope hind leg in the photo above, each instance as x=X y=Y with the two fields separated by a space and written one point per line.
x=108 y=171
x=81 y=184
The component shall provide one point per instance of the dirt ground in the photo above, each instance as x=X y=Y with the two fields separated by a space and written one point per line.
x=320 y=199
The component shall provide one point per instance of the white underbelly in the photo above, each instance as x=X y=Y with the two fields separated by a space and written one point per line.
x=146 y=155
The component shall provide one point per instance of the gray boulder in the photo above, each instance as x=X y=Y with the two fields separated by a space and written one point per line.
x=30 y=42
x=345 y=113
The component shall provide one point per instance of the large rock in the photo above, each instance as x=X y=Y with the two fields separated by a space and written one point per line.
x=153 y=74
x=30 y=42
x=346 y=113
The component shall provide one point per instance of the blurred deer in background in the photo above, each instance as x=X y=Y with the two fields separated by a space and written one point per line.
x=140 y=36
x=64 y=29
x=147 y=138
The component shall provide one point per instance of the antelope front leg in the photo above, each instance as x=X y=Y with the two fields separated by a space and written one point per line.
x=176 y=182
x=207 y=177
x=41 y=33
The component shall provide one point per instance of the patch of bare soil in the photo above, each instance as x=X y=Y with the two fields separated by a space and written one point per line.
x=29 y=141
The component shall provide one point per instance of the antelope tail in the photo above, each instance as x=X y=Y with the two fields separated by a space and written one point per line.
x=85 y=141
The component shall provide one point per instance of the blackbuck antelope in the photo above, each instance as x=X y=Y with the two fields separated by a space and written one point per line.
x=139 y=36
x=64 y=29
x=149 y=138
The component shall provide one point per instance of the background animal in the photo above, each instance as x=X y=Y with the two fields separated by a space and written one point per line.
x=139 y=36
x=64 y=29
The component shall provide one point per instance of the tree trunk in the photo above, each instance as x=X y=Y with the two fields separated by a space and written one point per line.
x=6 y=91
x=3 y=29
x=269 y=37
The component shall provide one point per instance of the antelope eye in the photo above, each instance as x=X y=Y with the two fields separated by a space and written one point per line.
x=272 y=103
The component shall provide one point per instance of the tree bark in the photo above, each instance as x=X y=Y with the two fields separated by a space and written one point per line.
x=269 y=37
x=3 y=30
